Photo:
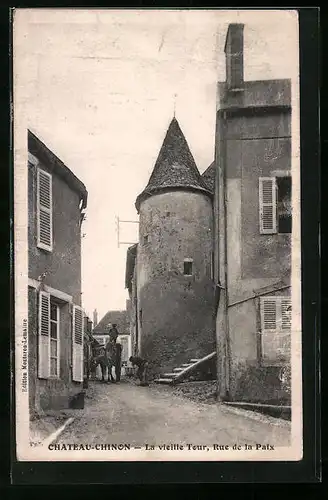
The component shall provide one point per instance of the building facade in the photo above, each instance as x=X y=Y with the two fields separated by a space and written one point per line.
x=252 y=229
x=169 y=271
x=56 y=203
x=131 y=286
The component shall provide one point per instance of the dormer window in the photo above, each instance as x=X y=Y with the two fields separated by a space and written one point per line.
x=187 y=267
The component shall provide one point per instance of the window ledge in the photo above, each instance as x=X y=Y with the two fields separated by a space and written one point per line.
x=49 y=378
x=45 y=248
x=273 y=364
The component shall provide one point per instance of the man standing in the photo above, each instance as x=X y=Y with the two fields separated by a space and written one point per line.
x=142 y=365
x=113 y=333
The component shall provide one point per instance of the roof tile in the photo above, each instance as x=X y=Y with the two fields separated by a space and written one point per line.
x=209 y=177
x=175 y=167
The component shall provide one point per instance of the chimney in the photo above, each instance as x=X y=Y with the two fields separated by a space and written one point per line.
x=234 y=51
x=95 y=318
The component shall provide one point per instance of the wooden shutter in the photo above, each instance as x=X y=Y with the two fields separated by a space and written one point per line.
x=276 y=326
x=268 y=205
x=77 y=339
x=286 y=309
x=44 y=210
x=44 y=335
x=269 y=314
x=286 y=326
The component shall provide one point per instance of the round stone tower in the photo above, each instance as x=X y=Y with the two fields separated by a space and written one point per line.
x=174 y=259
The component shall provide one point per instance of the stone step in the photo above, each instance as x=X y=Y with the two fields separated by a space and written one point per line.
x=163 y=380
x=194 y=360
x=170 y=375
x=177 y=369
x=185 y=365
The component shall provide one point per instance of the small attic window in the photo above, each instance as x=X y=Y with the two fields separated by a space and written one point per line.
x=187 y=267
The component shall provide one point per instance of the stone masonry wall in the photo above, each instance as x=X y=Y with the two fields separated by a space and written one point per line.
x=63 y=264
x=175 y=311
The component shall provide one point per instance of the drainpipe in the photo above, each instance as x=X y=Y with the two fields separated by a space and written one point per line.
x=136 y=346
x=223 y=376
x=225 y=264
x=217 y=250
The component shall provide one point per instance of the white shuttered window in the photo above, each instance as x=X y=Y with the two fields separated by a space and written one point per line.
x=54 y=339
x=49 y=337
x=275 y=327
x=44 y=335
x=77 y=343
x=268 y=205
x=44 y=210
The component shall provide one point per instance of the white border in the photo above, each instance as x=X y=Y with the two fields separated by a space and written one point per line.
x=27 y=453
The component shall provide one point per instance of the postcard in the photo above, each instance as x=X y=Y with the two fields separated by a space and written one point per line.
x=157 y=235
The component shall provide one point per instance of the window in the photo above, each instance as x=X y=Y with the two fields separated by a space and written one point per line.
x=54 y=340
x=44 y=210
x=275 y=327
x=146 y=239
x=275 y=205
x=32 y=160
x=187 y=267
x=284 y=205
x=49 y=337
x=77 y=343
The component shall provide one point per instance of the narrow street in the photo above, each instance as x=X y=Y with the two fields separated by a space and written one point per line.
x=126 y=413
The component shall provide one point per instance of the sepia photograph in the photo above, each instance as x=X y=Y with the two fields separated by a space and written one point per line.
x=157 y=235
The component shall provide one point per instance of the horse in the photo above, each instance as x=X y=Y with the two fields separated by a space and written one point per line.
x=106 y=359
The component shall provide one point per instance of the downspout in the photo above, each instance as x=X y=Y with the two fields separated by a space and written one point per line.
x=217 y=260
x=221 y=292
x=136 y=346
x=223 y=347
x=225 y=261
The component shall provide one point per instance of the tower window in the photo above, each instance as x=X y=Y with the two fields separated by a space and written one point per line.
x=187 y=267
x=284 y=208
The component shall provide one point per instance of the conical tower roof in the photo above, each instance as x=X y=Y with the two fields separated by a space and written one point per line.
x=175 y=167
x=209 y=177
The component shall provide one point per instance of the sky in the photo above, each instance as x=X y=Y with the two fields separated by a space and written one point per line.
x=99 y=88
